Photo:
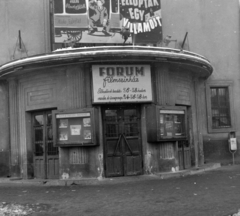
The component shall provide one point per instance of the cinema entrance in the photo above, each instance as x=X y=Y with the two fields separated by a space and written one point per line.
x=122 y=140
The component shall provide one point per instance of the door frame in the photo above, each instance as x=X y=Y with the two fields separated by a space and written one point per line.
x=118 y=106
x=46 y=166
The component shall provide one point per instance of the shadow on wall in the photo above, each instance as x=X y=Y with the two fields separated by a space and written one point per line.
x=4 y=165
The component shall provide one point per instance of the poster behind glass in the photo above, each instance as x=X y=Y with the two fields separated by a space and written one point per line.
x=107 y=21
x=172 y=124
x=74 y=129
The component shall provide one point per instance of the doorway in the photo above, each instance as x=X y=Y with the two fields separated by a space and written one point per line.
x=122 y=141
x=45 y=155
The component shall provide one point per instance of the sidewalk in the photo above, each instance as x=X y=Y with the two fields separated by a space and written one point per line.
x=115 y=180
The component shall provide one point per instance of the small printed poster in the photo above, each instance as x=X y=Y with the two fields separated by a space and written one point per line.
x=169 y=125
x=161 y=119
x=178 y=131
x=63 y=123
x=75 y=129
x=86 y=122
x=87 y=134
x=162 y=130
x=63 y=136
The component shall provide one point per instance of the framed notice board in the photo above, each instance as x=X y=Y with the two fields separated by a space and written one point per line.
x=75 y=127
x=166 y=123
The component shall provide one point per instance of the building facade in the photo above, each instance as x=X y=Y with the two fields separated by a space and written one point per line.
x=108 y=110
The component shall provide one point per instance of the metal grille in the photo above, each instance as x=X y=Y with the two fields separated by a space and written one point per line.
x=130 y=122
x=111 y=123
x=220 y=107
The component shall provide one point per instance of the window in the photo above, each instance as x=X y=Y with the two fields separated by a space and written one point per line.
x=219 y=106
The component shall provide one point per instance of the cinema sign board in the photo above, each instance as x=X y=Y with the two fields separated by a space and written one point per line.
x=121 y=83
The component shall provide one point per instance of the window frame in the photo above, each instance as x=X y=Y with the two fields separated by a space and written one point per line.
x=219 y=84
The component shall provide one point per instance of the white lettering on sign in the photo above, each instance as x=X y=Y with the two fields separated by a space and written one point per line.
x=64 y=21
x=171 y=111
x=72 y=115
x=117 y=83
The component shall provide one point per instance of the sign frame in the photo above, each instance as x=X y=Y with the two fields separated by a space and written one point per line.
x=75 y=127
x=135 y=94
x=123 y=22
x=155 y=121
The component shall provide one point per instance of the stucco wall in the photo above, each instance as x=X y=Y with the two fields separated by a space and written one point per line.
x=4 y=132
x=213 y=31
x=32 y=19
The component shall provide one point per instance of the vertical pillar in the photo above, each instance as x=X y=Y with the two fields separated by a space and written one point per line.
x=162 y=83
x=14 y=129
x=200 y=113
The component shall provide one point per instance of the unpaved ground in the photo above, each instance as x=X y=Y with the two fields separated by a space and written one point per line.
x=213 y=193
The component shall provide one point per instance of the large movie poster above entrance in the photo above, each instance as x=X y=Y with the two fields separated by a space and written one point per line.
x=107 y=21
x=121 y=83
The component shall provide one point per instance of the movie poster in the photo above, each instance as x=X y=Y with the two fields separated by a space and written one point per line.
x=107 y=21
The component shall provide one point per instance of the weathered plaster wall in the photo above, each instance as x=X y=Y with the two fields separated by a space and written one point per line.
x=213 y=31
x=174 y=86
x=32 y=19
x=4 y=132
x=65 y=87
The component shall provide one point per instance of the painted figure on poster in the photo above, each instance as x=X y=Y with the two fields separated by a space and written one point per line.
x=99 y=17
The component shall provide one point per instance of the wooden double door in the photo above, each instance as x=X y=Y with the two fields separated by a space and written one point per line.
x=122 y=141
x=45 y=155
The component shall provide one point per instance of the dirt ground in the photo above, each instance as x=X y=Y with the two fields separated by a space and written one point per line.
x=213 y=193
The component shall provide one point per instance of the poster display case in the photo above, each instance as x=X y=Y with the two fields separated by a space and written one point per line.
x=75 y=127
x=166 y=123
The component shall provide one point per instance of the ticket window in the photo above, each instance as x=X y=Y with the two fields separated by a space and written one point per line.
x=172 y=124
x=166 y=123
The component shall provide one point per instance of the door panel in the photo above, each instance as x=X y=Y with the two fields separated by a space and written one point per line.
x=184 y=155
x=114 y=166
x=45 y=154
x=39 y=170
x=122 y=141
x=134 y=165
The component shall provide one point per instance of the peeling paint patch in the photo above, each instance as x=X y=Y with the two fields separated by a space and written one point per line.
x=148 y=167
x=65 y=176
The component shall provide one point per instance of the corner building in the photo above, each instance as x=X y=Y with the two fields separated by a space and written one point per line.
x=116 y=110
x=113 y=126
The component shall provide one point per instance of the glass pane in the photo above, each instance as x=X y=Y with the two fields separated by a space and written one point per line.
x=49 y=133
x=49 y=119
x=111 y=115
x=131 y=129
x=38 y=132
x=111 y=123
x=39 y=149
x=51 y=149
x=130 y=122
x=130 y=115
x=38 y=120
x=220 y=108
x=58 y=6
x=111 y=130
x=179 y=125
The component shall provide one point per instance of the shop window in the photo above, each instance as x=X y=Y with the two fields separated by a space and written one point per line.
x=219 y=107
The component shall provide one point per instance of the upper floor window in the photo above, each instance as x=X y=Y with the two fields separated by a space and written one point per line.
x=220 y=106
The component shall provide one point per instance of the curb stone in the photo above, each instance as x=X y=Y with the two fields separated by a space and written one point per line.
x=102 y=181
